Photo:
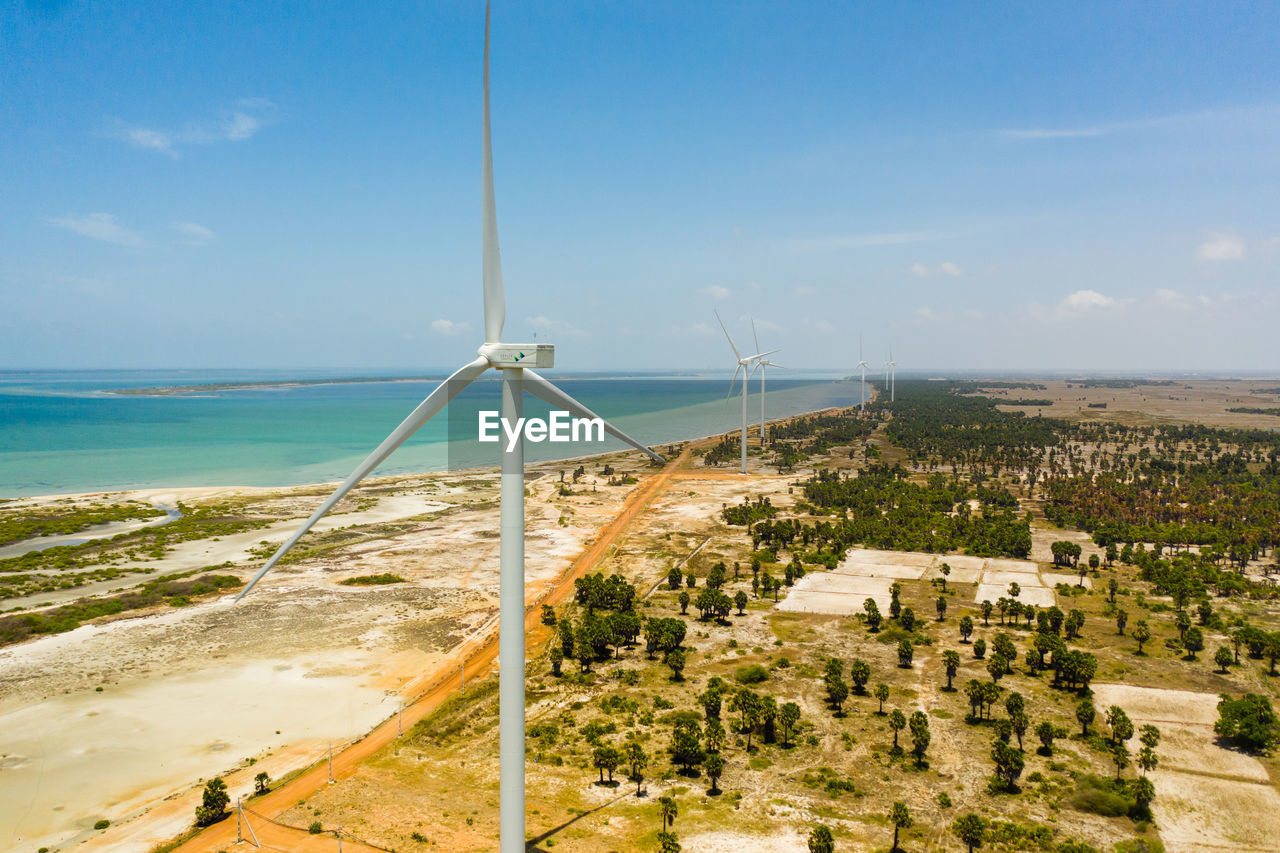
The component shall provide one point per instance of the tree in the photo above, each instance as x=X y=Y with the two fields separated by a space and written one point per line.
x=669 y=810
x=919 y=725
x=1193 y=641
x=946 y=570
x=1223 y=658
x=1014 y=590
x=860 y=674
x=897 y=722
x=686 y=747
x=882 y=696
x=996 y=667
x=668 y=842
x=951 y=662
x=971 y=829
x=714 y=765
x=1019 y=720
x=1143 y=792
x=979 y=649
x=1046 y=732
x=1120 y=755
x=788 y=716
x=714 y=735
x=684 y=602
x=675 y=660
x=1147 y=759
x=905 y=653
x=941 y=607
x=1249 y=721
x=1113 y=586
x=213 y=804
x=1085 y=715
x=606 y=758
x=673 y=578
x=900 y=817
x=1141 y=633
x=820 y=840
x=966 y=628
x=837 y=692
x=261 y=784
x=1120 y=724
x=637 y=760
x=986 y=612
x=740 y=601
x=873 y=614
x=1009 y=763
x=1122 y=618
x=907 y=619
x=556 y=654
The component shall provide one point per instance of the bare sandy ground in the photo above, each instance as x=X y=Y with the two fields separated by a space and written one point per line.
x=189 y=693
x=1207 y=797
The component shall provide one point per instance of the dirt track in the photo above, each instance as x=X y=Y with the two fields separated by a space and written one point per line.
x=432 y=689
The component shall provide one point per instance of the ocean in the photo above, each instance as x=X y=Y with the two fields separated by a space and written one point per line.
x=71 y=431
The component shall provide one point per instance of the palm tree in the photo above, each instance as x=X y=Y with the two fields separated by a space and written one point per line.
x=667 y=806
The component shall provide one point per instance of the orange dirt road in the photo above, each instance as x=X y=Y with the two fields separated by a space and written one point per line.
x=430 y=691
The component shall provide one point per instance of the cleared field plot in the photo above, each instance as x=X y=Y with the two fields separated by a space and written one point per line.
x=1052 y=579
x=1207 y=797
x=869 y=557
x=1159 y=706
x=1040 y=596
x=1004 y=578
x=966 y=575
x=828 y=592
x=1197 y=813
x=1023 y=567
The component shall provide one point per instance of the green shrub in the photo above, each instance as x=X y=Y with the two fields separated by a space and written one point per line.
x=102 y=824
x=752 y=674
x=1101 y=797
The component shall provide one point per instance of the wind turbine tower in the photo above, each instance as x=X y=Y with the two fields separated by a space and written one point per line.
x=892 y=367
x=514 y=362
x=745 y=364
x=862 y=390
x=761 y=365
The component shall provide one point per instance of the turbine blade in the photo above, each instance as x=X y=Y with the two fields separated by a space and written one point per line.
x=732 y=381
x=760 y=355
x=754 y=336
x=434 y=402
x=736 y=354
x=495 y=301
x=540 y=387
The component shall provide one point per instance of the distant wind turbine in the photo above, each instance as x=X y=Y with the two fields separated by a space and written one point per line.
x=744 y=366
x=514 y=362
x=761 y=365
x=862 y=391
x=891 y=368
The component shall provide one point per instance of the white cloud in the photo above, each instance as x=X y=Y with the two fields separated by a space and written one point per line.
x=824 y=326
x=1086 y=300
x=1221 y=247
x=558 y=327
x=237 y=125
x=448 y=327
x=716 y=292
x=193 y=233
x=1170 y=298
x=539 y=322
x=1059 y=132
x=101 y=226
x=944 y=268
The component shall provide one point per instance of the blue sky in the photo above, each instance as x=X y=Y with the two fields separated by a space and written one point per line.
x=979 y=185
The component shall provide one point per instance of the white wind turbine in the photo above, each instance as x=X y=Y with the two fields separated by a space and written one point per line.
x=891 y=374
x=744 y=365
x=862 y=391
x=514 y=362
x=761 y=364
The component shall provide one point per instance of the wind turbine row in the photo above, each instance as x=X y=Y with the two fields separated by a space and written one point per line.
x=745 y=365
x=514 y=362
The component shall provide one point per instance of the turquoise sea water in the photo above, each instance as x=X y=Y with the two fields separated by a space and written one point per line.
x=65 y=432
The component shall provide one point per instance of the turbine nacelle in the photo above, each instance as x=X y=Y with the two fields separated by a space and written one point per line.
x=541 y=356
